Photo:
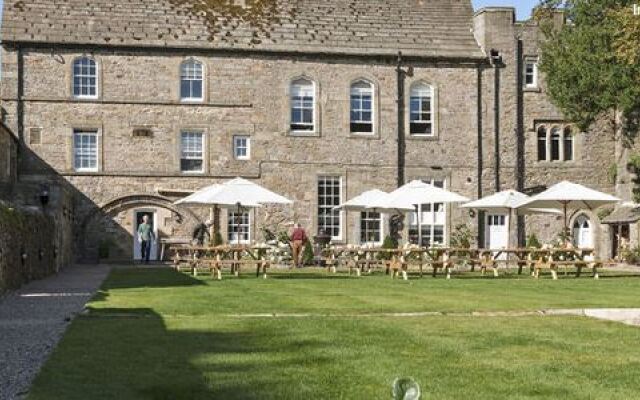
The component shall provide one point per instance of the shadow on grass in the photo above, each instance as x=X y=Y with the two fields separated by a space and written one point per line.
x=126 y=278
x=108 y=354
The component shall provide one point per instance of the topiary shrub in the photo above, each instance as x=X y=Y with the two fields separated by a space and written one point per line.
x=388 y=243
x=307 y=254
x=533 y=242
x=217 y=239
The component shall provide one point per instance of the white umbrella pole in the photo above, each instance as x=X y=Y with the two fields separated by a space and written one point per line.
x=418 y=212
x=566 y=227
x=509 y=228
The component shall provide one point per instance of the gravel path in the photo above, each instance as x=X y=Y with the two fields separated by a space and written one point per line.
x=33 y=319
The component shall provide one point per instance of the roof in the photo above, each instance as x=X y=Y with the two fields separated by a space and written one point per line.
x=623 y=215
x=418 y=28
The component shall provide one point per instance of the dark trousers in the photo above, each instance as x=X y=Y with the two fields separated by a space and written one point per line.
x=145 y=249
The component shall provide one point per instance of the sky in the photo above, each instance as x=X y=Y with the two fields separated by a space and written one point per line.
x=523 y=7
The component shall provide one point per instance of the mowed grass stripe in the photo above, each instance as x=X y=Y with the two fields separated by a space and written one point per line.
x=169 y=292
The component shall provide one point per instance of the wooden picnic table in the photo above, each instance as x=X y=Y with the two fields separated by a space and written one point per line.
x=363 y=257
x=445 y=258
x=214 y=258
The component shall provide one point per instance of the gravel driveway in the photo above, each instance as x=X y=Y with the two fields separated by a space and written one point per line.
x=33 y=319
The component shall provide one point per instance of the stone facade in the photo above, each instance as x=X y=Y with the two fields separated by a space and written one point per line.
x=248 y=93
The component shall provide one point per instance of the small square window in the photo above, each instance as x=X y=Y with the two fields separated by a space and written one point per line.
x=35 y=136
x=242 y=147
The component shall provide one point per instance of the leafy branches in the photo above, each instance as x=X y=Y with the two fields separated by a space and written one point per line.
x=589 y=64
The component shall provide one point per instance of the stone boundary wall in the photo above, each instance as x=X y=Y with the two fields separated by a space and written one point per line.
x=27 y=246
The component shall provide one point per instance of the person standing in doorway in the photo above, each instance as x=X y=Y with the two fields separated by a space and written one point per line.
x=298 y=239
x=145 y=237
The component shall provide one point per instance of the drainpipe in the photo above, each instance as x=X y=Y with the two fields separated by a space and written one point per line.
x=400 y=74
x=520 y=140
x=480 y=167
x=496 y=61
x=20 y=103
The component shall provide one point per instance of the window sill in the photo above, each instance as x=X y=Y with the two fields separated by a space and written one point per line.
x=192 y=101
x=85 y=98
x=192 y=172
x=360 y=135
x=531 y=89
x=422 y=137
x=304 y=134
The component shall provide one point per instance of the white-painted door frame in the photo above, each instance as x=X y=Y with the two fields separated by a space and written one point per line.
x=137 y=253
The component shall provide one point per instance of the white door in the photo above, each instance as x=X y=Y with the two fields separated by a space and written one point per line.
x=497 y=231
x=137 y=217
x=582 y=235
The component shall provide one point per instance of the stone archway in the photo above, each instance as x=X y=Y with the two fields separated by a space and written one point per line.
x=110 y=226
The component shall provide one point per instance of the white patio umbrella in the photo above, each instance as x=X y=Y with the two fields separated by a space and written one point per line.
x=237 y=192
x=376 y=201
x=417 y=192
x=569 y=196
x=508 y=201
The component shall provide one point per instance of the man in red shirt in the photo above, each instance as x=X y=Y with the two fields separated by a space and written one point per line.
x=298 y=239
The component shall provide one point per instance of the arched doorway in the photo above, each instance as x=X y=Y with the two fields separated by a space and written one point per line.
x=108 y=232
x=583 y=232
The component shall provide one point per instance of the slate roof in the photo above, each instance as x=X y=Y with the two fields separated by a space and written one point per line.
x=422 y=28
x=623 y=215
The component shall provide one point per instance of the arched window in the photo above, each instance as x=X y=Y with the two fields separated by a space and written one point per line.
x=542 y=143
x=362 y=107
x=191 y=81
x=555 y=144
x=421 y=110
x=85 y=78
x=568 y=144
x=302 y=105
x=582 y=235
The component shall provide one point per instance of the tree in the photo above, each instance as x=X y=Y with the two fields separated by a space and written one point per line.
x=591 y=64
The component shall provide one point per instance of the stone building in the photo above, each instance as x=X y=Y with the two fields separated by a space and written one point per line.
x=128 y=106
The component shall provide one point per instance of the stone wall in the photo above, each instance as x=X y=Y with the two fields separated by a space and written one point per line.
x=249 y=94
x=521 y=111
x=8 y=162
x=28 y=247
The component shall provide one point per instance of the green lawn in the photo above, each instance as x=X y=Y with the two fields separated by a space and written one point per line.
x=157 y=334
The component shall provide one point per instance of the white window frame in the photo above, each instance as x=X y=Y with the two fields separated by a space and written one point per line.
x=247 y=146
x=533 y=63
x=432 y=222
x=359 y=91
x=85 y=76
x=552 y=133
x=297 y=87
x=567 y=132
x=230 y=239
x=193 y=132
x=368 y=217
x=191 y=76
x=419 y=90
x=340 y=200
x=81 y=133
x=542 y=129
